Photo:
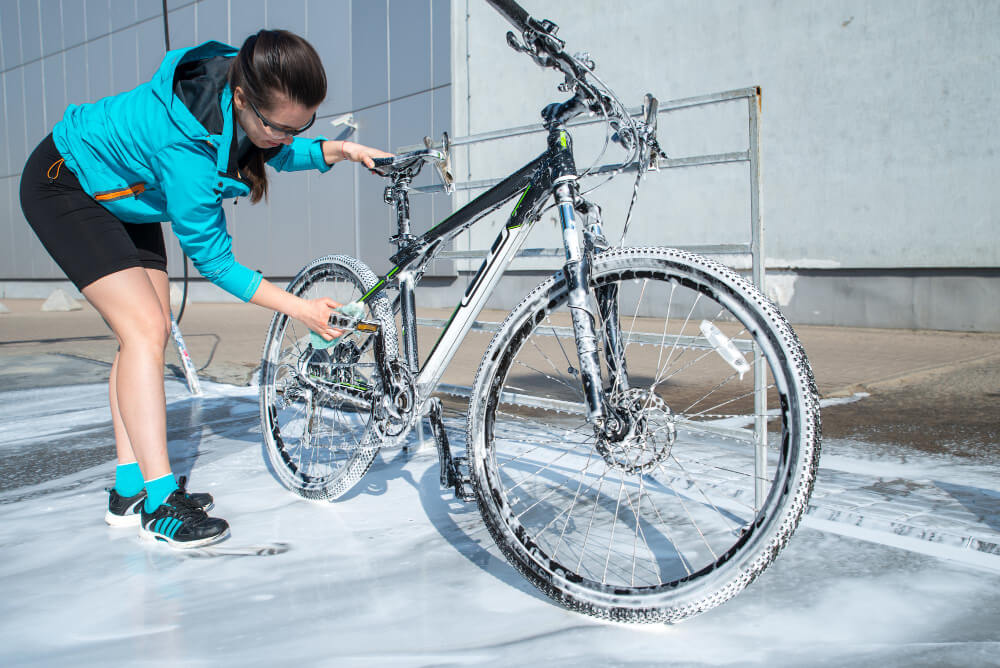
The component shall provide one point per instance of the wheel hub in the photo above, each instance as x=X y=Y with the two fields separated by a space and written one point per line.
x=639 y=432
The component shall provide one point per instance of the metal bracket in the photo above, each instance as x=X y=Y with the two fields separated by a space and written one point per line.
x=454 y=470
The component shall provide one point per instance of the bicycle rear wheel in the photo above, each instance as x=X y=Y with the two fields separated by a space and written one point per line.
x=697 y=490
x=319 y=439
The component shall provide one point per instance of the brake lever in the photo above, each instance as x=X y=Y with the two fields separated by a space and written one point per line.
x=516 y=45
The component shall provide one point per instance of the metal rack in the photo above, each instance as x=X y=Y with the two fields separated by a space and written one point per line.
x=754 y=248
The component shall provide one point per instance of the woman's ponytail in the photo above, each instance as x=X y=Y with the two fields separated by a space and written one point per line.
x=269 y=65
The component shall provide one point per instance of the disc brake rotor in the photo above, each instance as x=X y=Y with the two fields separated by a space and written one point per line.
x=640 y=432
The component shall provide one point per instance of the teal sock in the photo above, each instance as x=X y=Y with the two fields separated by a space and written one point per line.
x=128 y=479
x=157 y=491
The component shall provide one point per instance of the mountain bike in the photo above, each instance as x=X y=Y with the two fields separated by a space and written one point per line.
x=617 y=447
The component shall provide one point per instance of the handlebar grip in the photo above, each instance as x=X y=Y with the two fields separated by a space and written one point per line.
x=513 y=12
x=382 y=162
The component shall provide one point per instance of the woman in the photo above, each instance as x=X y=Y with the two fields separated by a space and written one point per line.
x=96 y=189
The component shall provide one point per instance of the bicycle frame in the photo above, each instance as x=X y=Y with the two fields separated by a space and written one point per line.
x=551 y=173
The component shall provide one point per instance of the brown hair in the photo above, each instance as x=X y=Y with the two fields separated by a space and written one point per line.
x=273 y=63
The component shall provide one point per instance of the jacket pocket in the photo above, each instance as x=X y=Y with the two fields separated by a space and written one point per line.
x=119 y=193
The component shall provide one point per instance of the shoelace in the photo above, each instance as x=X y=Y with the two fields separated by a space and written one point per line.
x=184 y=508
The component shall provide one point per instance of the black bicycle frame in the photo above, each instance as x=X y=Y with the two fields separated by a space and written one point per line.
x=552 y=171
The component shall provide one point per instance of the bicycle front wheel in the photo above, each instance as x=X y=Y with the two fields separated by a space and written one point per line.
x=692 y=489
x=319 y=436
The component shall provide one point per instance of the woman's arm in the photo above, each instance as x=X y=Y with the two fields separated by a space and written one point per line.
x=313 y=313
x=335 y=151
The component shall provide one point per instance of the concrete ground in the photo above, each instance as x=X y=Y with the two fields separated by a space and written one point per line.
x=896 y=562
x=931 y=391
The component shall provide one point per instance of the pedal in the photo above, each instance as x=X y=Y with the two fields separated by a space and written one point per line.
x=349 y=324
x=454 y=471
x=462 y=479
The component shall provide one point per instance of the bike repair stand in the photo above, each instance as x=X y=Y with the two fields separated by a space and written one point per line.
x=454 y=470
x=186 y=364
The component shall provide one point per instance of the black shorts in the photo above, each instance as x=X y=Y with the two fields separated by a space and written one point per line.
x=86 y=240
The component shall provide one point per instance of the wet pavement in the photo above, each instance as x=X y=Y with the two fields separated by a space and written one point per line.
x=895 y=564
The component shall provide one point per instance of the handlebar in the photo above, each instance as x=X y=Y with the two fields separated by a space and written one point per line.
x=590 y=93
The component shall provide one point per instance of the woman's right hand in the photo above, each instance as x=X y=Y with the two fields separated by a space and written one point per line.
x=315 y=314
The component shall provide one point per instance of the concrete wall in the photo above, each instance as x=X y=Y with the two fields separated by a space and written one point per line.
x=878 y=141
x=388 y=61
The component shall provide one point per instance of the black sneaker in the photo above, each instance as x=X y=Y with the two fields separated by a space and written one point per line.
x=181 y=523
x=123 y=511
x=203 y=500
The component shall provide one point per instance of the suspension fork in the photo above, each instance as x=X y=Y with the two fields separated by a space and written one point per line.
x=607 y=299
x=576 y=273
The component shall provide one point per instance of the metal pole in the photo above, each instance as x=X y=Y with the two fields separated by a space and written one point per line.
x=194 y=386
x=757 y=256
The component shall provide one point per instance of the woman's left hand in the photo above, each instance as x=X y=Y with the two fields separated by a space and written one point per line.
x=360 y=153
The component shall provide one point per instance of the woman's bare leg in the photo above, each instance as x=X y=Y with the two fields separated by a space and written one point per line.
x=161 y=284
x=130 y=303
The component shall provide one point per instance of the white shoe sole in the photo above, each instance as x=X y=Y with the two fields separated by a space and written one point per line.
x=122 y=521
x=151 y=536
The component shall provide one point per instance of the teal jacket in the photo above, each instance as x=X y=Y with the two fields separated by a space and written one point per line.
x=146 y=158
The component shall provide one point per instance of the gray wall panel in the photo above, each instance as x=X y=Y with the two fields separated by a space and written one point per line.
x=213 y=21
x=97 y=14
x=8 y=194
x=99 y=68
x=149 y=36
x=124 y=63
x=331 y=213
x=183 y=31
x=287 y=15
x=22 y=237
x=52 y=31
x=369 y=64
x=15 y=132
x=374 y=216
x=175 y=266
x=5 y=168
x=246 y=18
x=409 y=53
x=440 y=42
x=7 y=247
x=76 y=77
x=74 y=22
x=248 y=224
x=328 y=31
x=148 y=8
x=10 y=34
x=31 y=36
x=112 y=45
x=55 y=89
x=288 y=222
x=122 y=13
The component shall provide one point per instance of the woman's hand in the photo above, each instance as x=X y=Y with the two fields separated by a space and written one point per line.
x=354 y=152
x=315 y=314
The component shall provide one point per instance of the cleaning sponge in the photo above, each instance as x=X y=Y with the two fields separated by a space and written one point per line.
x=353 y=310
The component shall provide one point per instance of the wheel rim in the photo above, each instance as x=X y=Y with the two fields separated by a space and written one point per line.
x=627 y=521
x=314 y=434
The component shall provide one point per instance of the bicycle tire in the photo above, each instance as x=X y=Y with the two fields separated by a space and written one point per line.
x=703 y=534
x=322 y=462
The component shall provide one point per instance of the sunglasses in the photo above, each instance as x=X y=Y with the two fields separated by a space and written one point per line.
x=281 y=130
